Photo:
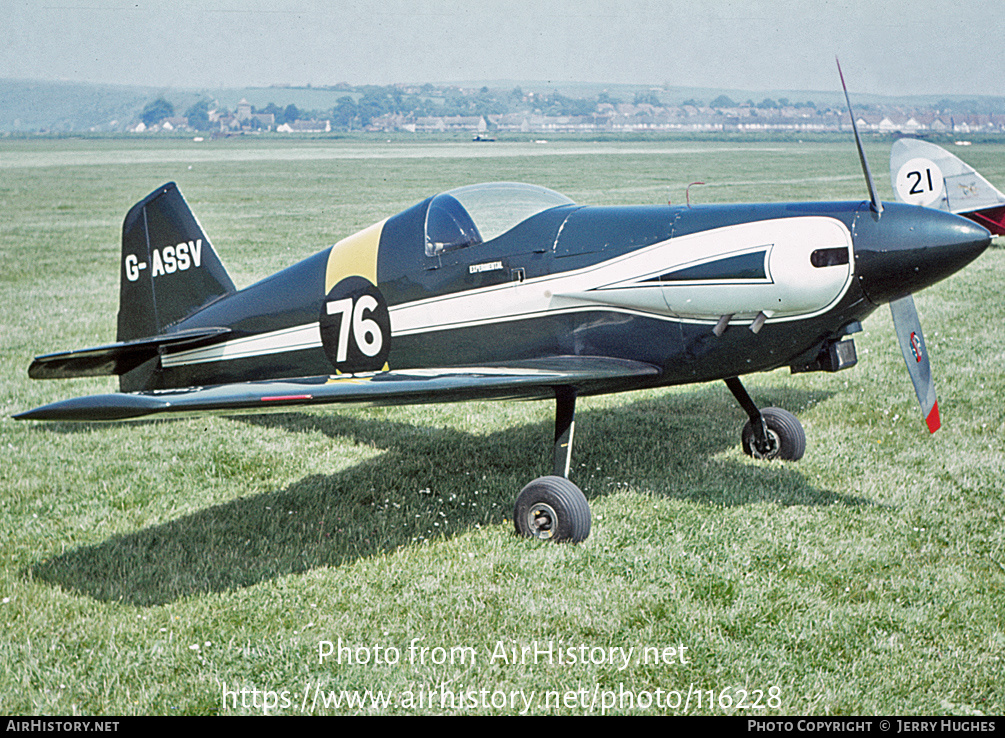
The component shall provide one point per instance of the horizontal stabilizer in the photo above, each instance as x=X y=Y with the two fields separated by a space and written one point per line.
x=115 y=358
x=533 y=379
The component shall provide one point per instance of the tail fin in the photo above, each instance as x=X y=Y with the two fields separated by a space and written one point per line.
x=169 y=267
x=925 y=174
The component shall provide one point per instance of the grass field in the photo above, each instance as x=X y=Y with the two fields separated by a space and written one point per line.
x=198 y=566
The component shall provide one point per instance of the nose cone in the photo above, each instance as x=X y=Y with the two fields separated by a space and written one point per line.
x=910 y=247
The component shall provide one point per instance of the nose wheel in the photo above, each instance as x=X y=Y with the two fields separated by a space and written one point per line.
x=784 y=436
x=771 y=433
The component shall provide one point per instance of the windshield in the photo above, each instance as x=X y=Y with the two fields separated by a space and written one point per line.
x=470 y=215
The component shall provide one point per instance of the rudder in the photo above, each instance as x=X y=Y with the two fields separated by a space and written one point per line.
x=169 y=268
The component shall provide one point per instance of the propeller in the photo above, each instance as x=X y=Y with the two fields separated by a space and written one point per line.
x=905 y=316
x=912 y=346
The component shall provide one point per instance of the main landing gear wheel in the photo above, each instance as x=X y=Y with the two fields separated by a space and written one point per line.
x=552 y=509
x=786 y=437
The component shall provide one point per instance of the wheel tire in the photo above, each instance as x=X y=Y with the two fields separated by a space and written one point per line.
x=552 y=509
x=784 y=431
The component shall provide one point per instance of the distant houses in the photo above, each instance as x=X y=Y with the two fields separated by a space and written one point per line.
x=608 y=117
x=306 y=126
x=626 y=118
x=242 y=120
x=247 y=120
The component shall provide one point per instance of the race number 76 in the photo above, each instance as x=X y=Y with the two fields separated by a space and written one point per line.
x=365 y=331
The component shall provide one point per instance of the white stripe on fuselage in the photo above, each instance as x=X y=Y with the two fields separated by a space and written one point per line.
x=618 y=285
x=296 y=338
x=794 y=289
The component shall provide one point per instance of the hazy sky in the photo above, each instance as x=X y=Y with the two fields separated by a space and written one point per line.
x=891 y=47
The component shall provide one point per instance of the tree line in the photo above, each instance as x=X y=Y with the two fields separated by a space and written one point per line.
x=355 y=111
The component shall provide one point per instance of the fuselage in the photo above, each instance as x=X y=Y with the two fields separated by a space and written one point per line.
x=650 y=284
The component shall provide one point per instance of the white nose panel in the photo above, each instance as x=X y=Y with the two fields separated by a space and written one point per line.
x=767 y=266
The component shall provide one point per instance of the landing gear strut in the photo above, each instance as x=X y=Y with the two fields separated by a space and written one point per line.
x=772 y=433
x=552 y=508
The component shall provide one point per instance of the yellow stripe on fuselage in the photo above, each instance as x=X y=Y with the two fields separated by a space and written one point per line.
x=354 y=256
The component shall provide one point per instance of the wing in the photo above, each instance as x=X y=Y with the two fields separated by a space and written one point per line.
x=532 y=379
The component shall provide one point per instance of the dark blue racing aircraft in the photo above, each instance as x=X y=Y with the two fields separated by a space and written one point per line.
x=513 y=291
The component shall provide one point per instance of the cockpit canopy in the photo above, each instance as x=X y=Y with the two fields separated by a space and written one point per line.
x=471 y=215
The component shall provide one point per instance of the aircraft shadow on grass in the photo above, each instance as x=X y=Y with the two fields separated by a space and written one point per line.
x=430 y=483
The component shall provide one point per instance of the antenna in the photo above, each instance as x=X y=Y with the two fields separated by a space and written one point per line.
x=877 y=206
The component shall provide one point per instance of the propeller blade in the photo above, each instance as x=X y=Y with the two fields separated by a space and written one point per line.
x=912 y=346
x=877 y=204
